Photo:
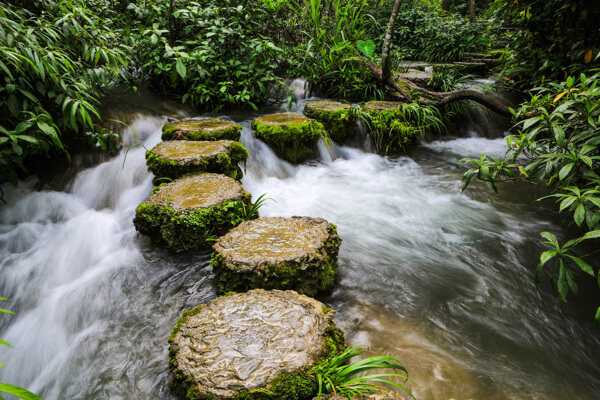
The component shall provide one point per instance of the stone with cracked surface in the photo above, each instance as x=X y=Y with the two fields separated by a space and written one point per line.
x=298 y=253
x=246 y=341
x=175 y=158
x=201 y=129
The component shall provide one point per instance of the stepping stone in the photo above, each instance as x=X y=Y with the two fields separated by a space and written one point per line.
x=191 y=211
x=390 y=131
x=245 y=342
x=383 y=395
x=292 y=136
x=298 y=253
x=418 y=77
x=201 y=129
x=335 y=116
x=175 y=158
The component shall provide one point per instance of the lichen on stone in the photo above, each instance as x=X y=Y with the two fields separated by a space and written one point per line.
x=201 y=129
x=292 y=136
x=175 y=158
x=239 y=346
x=192 y=211
x=337 y=118
x=298 y=253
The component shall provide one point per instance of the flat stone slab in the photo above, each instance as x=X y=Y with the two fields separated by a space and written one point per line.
x=175 y=158
x=298 y=253
x=291 y=136
x=201 y=129
x=383 y=395
x=190 y=211
x=339 y=122
x=255 y=340
x=417 y=76
x=390 y=131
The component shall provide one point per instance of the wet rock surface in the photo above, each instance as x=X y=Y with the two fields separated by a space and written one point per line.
x=292 y=136
x=297 y=253
x=334 y=115
x=175 y=158
x=183 y=214
x=381 y=105
x=201 y=129
x=246 y=341
x=384 y=395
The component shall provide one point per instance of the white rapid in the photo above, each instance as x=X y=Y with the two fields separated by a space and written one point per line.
x=439 y=278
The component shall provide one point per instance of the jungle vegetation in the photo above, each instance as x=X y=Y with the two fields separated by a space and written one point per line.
x=58 y=58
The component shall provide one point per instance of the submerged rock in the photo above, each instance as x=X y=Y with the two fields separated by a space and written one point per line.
x=175 y=158
x=236 y=344
x=383 y=395
x=191 y=211
x=391 y=131
x=201 y=129
x=334 y=115
x=298 y=253
x=292 y=136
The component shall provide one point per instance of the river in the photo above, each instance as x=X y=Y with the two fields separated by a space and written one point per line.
x=439 y=278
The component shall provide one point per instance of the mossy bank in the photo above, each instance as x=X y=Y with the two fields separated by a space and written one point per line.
x=337 y=117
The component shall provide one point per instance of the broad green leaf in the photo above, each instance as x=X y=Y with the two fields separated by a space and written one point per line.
x=366 y=47
x=564 y=171
x=562 y=285
x=585 y=267
x=567 y=202
x=550 y=238
x=2 y=342
x=579 y=214
x=18 y=391
x=181 y=69
x=592 y=234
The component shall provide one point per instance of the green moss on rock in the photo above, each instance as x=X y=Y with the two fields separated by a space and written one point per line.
x=201 y=129
x=292 y=136
x=297 y=253
x=254 y=328
x=337 y=118
x=173 y=158
x=192 y=211
x=391 y=131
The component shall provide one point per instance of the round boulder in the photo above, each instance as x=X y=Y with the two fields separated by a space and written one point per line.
x=238 y=345
x=337 y=117
x=192 y=211
x=175 y=158
x=298 y=253
x=291 y=136
x=390 y=129
x=201 y=129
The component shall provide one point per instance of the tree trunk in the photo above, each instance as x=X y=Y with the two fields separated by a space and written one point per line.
x=446 y=5
x=472 y=10
x=405 y=89
x=385 y=52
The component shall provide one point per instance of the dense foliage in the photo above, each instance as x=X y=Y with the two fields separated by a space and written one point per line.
x=52 y=66
x=557 y=144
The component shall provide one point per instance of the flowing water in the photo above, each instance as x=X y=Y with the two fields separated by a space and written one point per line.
x=439 y=278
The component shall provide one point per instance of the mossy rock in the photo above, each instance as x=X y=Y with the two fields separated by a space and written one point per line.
x=175 y=158
x=292 y=136
x=335 y=117
x=237 y=345
x=201 y=129
x=390 y=131
x=382 y=395
x=192 y=211
x=298 y=253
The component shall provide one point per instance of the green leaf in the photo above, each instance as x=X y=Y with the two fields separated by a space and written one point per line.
x=366 y=47
x=592 y=235
x=597 y=317
x=551 y=238
x=585 y=267
x=579 y=214
x=19 y=392
x=2 y=342
x=567 y=202
x=562 y=285
x=180 y=67
x=564 y=171
x=544 y=258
